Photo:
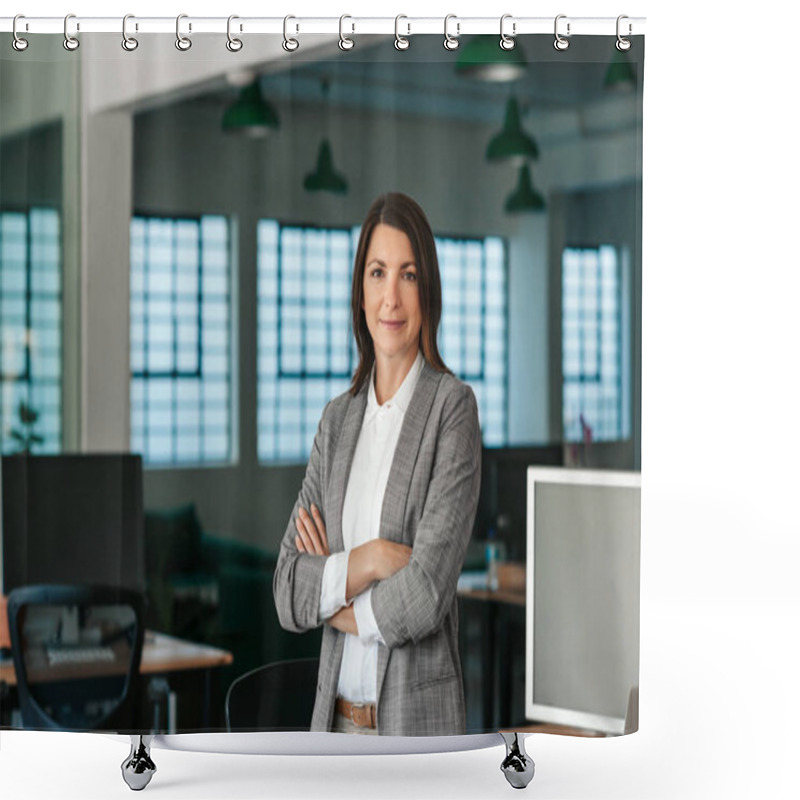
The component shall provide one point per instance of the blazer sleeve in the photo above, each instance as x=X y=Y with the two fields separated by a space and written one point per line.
x=298 y=576
x=414 y=602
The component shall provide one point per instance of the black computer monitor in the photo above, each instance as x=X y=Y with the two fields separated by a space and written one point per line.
x=71 y=519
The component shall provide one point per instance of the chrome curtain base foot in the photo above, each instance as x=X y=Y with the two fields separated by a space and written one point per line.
x=138 y=768
x=517 y=766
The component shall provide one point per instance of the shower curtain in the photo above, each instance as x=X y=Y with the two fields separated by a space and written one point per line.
x=180 y=219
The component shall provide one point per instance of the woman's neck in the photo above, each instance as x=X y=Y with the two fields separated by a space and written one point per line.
x=390 y=374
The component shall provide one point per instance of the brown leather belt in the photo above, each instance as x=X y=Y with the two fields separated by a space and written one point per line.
x=360 y=714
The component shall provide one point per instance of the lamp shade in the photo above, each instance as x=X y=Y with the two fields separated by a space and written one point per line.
x=620 y=73
x=512 y=142
x=482 y=58
x=250 y=115
x=524 y=198
x=325 y=178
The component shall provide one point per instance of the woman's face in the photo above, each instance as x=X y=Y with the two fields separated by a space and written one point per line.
x=391 y=295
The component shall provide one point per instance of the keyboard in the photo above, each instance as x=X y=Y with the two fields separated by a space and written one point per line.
x=60 y=656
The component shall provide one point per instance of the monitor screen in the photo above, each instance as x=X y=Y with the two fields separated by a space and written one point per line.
x=71 y=519
x=582 y=624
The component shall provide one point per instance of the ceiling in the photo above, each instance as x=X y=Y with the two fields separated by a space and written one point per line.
x=422 y=80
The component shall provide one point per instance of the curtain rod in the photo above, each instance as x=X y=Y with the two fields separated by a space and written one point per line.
x=405 y=25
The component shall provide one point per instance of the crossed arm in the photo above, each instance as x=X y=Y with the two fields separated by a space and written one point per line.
x=372 y=561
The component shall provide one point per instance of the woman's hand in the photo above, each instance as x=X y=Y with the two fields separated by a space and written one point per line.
x=388 y=558
x=312 y=537
x=372 y=561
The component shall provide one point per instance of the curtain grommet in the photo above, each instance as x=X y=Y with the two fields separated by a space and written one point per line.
x=561 y=43
x=507 y=42
x=183 y=43
x=401 y=42
x=233 y=44
x=18 y=43
x=71 y=43
x=622 y=44
x=345 y=43
x=451 y=42
x=289 y=43
x=129 y=43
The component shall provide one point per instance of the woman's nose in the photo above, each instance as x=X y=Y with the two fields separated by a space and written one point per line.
x=391 y=294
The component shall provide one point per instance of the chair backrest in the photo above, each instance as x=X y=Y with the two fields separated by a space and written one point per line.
x=275 y=697
x=77 y=652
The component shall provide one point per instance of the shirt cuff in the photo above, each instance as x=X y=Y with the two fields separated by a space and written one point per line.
x=334 y=585
x=368 y=631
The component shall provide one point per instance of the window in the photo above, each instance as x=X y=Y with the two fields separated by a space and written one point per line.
x=472 y=335
x=181 y=340
x=306 y=351
x=30 y=330
x=592 y=344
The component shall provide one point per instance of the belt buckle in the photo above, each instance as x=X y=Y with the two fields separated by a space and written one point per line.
x=353 y=707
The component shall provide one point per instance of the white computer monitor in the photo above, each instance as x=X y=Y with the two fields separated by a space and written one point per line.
x=582 y=610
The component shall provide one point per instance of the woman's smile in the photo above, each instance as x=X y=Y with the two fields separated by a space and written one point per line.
x=392 y=325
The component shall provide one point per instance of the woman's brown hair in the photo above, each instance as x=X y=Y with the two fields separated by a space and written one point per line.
x=401 y=212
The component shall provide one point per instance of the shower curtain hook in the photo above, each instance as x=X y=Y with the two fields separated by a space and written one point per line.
x=451 y=42
x=561 y=43
x=507 y=42
x=289 y=44
x=18 y=43
x=183 y=43
x=129 y=43
x=623 y=44
x=344 y=42
x=400 y=42
x=233 y=44
x=70 y=42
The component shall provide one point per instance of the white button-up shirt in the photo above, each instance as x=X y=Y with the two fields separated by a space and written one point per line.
x=361 y=517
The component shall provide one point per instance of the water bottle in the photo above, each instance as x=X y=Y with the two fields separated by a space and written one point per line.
x=492 y=558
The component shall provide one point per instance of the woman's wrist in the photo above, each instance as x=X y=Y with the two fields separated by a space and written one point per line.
x=361 y=568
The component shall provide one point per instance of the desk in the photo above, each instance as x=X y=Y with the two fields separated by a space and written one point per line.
x=497 y=645
x=162 y=654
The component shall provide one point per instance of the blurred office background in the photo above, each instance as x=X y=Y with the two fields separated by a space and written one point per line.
x=176 y=246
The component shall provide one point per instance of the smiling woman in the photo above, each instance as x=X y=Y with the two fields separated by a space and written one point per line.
x=378 y=534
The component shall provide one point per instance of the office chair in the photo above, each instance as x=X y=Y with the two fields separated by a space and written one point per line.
x=77 y=651
x=277 y=697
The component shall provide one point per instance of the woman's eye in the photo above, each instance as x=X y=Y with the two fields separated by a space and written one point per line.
x=412 y=276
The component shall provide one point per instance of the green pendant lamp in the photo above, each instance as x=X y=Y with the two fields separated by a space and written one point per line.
x=325 y=178
x=483 y=59
x=512 y=143
x=620 y=73
x=524 y=198
x=250 y=115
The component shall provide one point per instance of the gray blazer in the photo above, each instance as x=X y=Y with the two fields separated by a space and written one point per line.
x=430 y=504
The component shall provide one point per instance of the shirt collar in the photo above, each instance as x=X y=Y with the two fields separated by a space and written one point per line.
x=402 y=397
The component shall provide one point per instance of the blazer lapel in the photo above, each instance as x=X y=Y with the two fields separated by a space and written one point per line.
x=405 y=454
x=401 y=472
x=339 y=468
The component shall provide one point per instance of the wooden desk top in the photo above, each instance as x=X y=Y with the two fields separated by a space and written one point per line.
x=161 y=653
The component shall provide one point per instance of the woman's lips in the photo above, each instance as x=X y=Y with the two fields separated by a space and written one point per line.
x=392 y=326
